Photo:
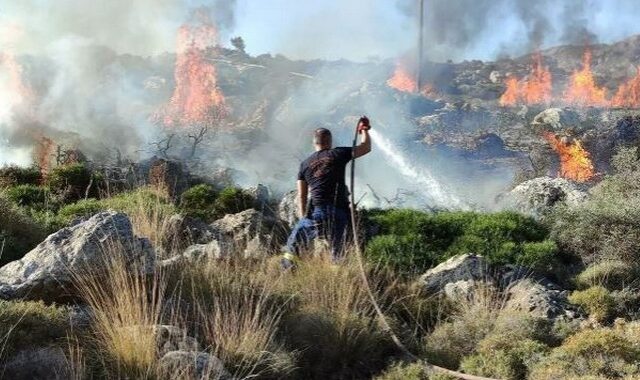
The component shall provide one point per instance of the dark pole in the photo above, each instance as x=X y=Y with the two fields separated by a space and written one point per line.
x=420 y=47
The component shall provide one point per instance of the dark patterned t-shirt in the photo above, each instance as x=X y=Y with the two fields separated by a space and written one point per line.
x=324 y=173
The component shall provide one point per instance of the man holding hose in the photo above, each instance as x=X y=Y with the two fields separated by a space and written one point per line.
x=326 y=212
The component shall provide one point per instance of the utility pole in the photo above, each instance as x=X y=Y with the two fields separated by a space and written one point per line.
x=420 y=46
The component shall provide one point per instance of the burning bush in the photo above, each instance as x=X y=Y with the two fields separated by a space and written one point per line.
x=605 y=226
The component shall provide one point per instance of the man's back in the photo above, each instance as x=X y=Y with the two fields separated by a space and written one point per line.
x=324 y=173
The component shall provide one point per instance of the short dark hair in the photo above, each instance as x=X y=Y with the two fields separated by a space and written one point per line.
x=322 y=136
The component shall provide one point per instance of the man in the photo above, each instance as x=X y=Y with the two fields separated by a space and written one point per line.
x=322 y=175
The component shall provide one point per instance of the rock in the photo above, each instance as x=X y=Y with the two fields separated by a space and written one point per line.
x=251 y=232
x=539 y=195
x=495 y=76
x=46 y=273
x=48 y=363
x=287 y=210
x=555 y=119
x=262 y=196
x=199 y=253
x=458 y=276
x=181 y=232
x=540 y=298
x=192 y=365
x=171 y=338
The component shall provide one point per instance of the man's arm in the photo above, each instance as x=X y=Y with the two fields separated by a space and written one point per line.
x=365 y=144
x=303 y=192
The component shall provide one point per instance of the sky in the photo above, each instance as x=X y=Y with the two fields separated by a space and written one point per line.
x=326 y=29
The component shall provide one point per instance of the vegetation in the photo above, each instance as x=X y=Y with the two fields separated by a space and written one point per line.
x=412 y=241
x=19 y=233
x=597 y=301
x=15 y=175
x=198 y=202
x=73 y=181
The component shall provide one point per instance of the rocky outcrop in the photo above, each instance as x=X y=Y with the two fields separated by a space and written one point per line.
x=181 y=232
x=539 y=195
x=47 y=271
x=192 y=365
x=459 y=277
x=251 y=232
x=198 y=254
x=262 y=196
x=540 y=298
x=555 y=119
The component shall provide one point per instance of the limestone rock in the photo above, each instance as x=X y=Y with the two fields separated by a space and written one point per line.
x=46 y=272
x=457 y=276
x=287 y=210
x=539 y=195
x=192 y=365
x=181 y=232
x=251 y=232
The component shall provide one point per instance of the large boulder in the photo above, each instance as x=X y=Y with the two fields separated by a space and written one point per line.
x=37 y=363
x=287 y=209
x=198 y=254
x=251 y=232
x=262 y=196
x=458 y=276
x=181 y=232
x=47 y=271
x=539 y=195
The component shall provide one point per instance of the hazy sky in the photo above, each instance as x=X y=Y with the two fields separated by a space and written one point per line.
x=351 y=29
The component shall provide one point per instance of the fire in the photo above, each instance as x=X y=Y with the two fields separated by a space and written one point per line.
x=21 y=93
x=628 y=95
x=534 y=90
x=196 y=99
x=43 y=153
x=575 y=161
x=403 y=80
x=583 y=90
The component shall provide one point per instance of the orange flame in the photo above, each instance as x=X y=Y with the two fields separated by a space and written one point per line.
x=575 y=161
x=23 y=93
x=196 y=98
x=583 y=90
x=403 y=80
x=43 y=152
x=628 y=95
x=534 y=90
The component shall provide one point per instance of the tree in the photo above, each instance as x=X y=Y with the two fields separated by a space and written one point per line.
x=238 y=43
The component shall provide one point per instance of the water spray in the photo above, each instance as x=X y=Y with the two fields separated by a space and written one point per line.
x=364 y=124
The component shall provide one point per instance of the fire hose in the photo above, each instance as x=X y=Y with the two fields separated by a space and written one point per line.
x=364 y=124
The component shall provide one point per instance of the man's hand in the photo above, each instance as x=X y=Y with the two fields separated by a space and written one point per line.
x=363 y=124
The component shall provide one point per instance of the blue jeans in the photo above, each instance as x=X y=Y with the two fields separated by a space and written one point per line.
x=328 y=222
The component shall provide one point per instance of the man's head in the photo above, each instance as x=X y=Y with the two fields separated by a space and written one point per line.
x=322 y=138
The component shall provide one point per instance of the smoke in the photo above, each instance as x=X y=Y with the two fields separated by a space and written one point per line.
x=485 y=29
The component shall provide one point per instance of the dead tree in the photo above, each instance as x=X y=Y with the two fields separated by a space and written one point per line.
x=197 y=139
x=163 y=146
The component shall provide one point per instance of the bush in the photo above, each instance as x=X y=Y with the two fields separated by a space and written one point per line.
x=607 y=225
x=414 y=371
x=72 y=181
x=412 y=241
x=596 y=301
x=15 y=175
x=232 y=200
x=27 y=324
x=18 y=232
x=198 y=202
x=601 y=353
x=31 y=196
x=612 y=274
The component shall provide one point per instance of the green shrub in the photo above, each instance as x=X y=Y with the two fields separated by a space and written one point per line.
x=402 y=252
x=232 y=200
x=32 y=196
x=82 y=208
x=413 y=371
x=612 y=274
x=72 y=181
x=18 y=232
x=597 y=301
x=198 y=202
x=15 y=175
x=412 y=241
x=25 y=324
x=601 y=353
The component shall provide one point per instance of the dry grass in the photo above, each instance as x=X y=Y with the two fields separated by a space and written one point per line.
x=125 y=304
